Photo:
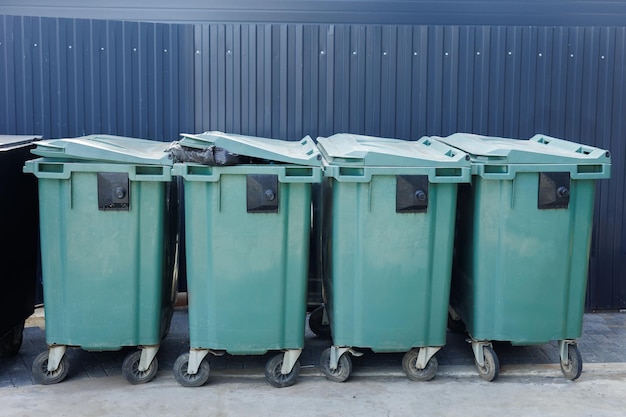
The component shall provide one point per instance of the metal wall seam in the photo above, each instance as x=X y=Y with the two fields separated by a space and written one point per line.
x=528 y=80
x=402 y=83
x=356 y=80
x=339 y=93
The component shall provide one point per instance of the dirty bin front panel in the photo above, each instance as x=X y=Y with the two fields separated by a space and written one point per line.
x=18 y=251
x=387 y=273
x=520 y=274
x=246 y=270
x=106 y=282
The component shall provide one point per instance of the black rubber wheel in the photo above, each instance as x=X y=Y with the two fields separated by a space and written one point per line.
x=45 y=377
x=191 y=380
x=344 y=367
x=409 y=366
x=275 y=377
x=130 y=369
x=11 y=343
x=316 y=325
x=575 y=363
x=489 y=372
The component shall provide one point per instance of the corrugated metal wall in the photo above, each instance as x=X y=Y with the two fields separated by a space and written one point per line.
x=407 y=81
x=68 y=77
x=288 y=80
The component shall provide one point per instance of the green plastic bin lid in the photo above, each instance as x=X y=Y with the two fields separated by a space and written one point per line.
x=344 y=149
x=303 y=152
x=540 y=149
x=106 y=148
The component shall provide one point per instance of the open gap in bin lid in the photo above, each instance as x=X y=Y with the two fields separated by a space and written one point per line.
x=106 y=148
x=540 y=149
x=345 y=149
x=12 y=141
x=302 y=152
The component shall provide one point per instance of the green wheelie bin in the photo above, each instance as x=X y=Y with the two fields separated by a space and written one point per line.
x=108 y=209
x=19 y=245
x=523 y=240
x=247 y=225
x=388 y=226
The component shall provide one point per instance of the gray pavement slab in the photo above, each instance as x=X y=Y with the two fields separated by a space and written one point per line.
x=597 y=394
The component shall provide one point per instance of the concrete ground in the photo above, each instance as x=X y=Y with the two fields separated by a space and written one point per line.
x=595 y=394
x=530 y=382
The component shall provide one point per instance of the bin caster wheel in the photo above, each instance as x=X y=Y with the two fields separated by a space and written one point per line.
x=316 y=325
x=489 y=371
x=185 y=379
x=409 y=366
x=344 y=367
x=574 y=366
x=275 y=377
x=45 y=377
x=130 y=369
x=10 y=344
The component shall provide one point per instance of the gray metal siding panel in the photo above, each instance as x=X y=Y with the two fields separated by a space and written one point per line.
x=63 y=77
x=608 y=279
x=407 y=12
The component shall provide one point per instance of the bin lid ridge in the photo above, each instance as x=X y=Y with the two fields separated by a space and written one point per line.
x=106 y=148
x=352 y=149
x=302 y=152
x=540 y=149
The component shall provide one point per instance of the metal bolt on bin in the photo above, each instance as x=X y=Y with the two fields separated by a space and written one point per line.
x=247 y=225
x=523 y=240
x=109 y=221
x=388 y=227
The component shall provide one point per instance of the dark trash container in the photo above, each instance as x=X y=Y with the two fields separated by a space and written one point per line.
x=19 y=243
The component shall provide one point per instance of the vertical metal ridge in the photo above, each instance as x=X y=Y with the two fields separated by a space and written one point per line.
x=328 y=108
x=388 y=73
x=298 y=46
x=357 y=79
x=450 y=81
x=528 y=79
x=403 y=83
x=575 y=60
x=434 y=93
x=373 y=69
x=512 y=82
x=544 y=74
x=419 y=74
x=266 y=80
x=279 y=90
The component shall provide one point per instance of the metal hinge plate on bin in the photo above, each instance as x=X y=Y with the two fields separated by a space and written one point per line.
x=113 y=191
x=262 y=193
x=411 y=193
x=554 y=188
